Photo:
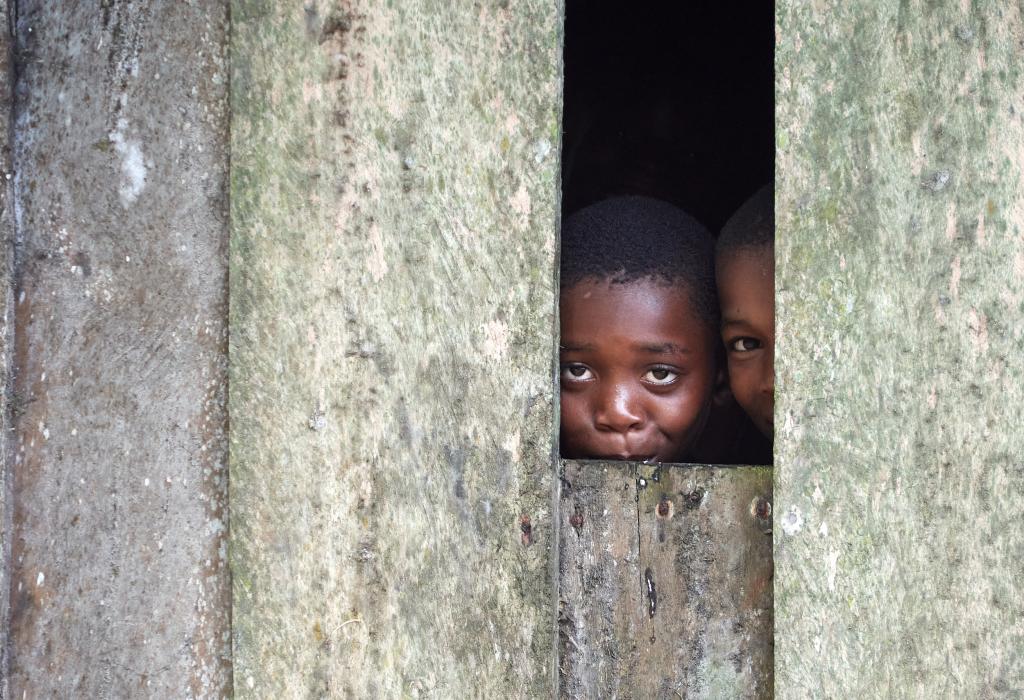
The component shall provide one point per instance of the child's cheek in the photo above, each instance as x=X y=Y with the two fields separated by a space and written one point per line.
x=572 y=413
x=739 y=383
x=575 y=438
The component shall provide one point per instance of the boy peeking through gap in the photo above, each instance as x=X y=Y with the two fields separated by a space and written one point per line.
x=640 y=350
x=745 y=265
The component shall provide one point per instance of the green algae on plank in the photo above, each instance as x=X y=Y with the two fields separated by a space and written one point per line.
x=379 y=549
x=898 y=365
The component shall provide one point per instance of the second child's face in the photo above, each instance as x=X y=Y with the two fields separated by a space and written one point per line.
x=746 y=292
x=637 y=371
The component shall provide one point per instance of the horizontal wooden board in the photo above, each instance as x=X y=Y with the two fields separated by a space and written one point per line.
x=665 y=581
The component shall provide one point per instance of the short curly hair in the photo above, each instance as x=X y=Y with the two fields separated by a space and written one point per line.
x=625 y=239
x=752 y=226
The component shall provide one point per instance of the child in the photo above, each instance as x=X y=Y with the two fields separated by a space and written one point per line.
x=639 y=331
x=745 y=266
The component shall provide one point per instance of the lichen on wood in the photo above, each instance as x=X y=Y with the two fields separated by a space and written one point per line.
x=394 y=218
x=665 y=586
x=8 y=404
x=900 y=282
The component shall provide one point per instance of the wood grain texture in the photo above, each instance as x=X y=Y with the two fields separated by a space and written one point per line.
x=119 y=574
x=900 y=377
x=7 y=234
x=601 y=615
x=394 y=220
x=666 y=581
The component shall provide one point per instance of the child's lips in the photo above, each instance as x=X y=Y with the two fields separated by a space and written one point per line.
x=631 y=457
x=631 y=451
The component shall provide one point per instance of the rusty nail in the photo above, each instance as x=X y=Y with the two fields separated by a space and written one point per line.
x=576 y=520
x=694 y=498
x=665 y=507
x=761 y=508
x=527 y=529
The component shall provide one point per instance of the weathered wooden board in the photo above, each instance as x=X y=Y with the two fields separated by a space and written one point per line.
x=119 y=584
x=7 y=232
x=600 y=615
x=394 y=221
x=706 y=567
x=900 y=376
x=665 y=585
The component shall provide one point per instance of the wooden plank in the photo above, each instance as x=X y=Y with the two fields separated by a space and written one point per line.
x=600 y=612
x=119 y=575
x=900 y=376
x=7 y=235
x=706 y=575
x=665 y=581
x=394 y=220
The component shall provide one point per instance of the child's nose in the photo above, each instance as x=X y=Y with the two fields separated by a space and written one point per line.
x=619 y=411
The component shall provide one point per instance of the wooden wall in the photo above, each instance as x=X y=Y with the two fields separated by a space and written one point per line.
x=115 y=232
x=900 y=281
x=665 y=581
x=397 y=518
x=394 y=201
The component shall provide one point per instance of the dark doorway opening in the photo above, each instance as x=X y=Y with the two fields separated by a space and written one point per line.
x=669 y=100
x=675 y=101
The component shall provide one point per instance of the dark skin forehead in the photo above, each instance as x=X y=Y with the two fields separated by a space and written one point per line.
x=653 y=299
x=656 y=290
x=757 y=278
x=763 y=255
x=654 y=314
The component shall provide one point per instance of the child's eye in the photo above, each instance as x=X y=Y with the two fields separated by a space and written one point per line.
x=661 y=376
x=577 y=373
x=744 y=344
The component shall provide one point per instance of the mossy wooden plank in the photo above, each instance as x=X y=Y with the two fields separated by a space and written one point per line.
x=394 y=219
x=706 y=575
x=119 y=576
x=665 y=585
x=600 y=615
x=900 y=289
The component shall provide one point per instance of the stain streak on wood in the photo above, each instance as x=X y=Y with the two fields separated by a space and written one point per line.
x=668 y=590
